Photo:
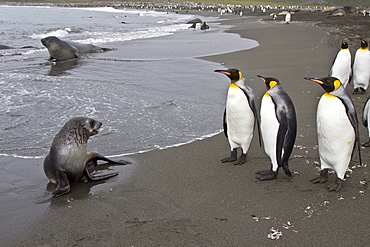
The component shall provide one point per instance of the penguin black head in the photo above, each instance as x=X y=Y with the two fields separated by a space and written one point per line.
x=344 y=45
x=269 y=81
x=364 y=44
x=234 y=74
x=329 y=84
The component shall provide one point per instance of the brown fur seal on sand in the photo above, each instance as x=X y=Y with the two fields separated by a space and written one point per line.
x=68 y=160
x=63 y=50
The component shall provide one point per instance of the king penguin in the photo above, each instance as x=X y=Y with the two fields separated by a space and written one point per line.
x=240 y=115
x=337 y=131
x=341 y=67
x=278 y=127
x=361 y=68
x=288 y=17
x=366 y=119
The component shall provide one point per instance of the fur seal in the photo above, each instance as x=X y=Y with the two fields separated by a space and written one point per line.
x=60 y=50
x=5 y=47
x=68 y=159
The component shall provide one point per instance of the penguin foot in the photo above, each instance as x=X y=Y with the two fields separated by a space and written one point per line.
x=233 y=157
x=336 y=186
x=287 y=171
x=241 y=160
x=267 y=175
x=356 y=91
x=363 y=90
x=366 y=144
x=322 y=178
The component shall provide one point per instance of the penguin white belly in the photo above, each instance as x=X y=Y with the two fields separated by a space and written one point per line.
x=239 y=119
x=342 y=67
x=269 y=128
x=288 y=18
x=366 y=113
x=368 y=125
x=336 y=136
x=361 y=69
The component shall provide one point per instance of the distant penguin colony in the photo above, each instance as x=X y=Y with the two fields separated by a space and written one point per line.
x=341 y=67
x=361 y=68
x=278 y=127
x=240 y=115
x=337 y=131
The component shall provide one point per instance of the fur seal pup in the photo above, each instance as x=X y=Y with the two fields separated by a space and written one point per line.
x=60 y=50
x=68 y=159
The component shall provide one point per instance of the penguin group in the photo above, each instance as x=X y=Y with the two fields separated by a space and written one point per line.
x=336 y=119
x=358 y=73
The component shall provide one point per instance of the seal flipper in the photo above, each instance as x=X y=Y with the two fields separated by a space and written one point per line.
x=92 y=162
x=95 y=157
x=77 y=54
x=63 y=185
x=90 y=177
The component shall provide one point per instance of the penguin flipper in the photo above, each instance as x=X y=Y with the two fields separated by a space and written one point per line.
x=225 y=123
x=365 y=111
x=252 y=105
x=256 y=121
x=280 y=139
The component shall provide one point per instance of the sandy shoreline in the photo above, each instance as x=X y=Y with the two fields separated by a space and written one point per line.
x=184 y=196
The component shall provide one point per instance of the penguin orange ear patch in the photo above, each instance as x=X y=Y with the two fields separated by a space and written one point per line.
x=337 y=84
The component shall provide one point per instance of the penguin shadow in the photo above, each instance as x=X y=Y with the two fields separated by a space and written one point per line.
x=59 y=68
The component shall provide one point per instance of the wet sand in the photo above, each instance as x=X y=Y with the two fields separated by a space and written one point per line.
x=184 y=196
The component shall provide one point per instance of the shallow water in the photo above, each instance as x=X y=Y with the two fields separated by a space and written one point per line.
x=149 y=91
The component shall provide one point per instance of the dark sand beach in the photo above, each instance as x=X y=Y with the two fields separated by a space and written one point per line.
x=184 y=196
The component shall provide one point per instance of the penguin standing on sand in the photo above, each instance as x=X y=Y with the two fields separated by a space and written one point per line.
x=240 y=115
x=361 y=68
x=341 y=67
x=278 y=127
x=366 y=119
x=288 y=17
x=337 y=131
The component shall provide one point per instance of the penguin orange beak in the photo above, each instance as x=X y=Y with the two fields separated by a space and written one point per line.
x=222 y=72
x=314 y=80
x=262 y=78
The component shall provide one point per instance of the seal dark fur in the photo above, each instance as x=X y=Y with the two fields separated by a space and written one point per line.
x=68 y=160
x=63 y=50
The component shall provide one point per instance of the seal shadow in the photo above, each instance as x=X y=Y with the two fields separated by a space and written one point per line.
x=59 y=68
x=79 y=190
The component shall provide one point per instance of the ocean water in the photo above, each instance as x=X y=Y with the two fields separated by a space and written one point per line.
x=149 y=91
